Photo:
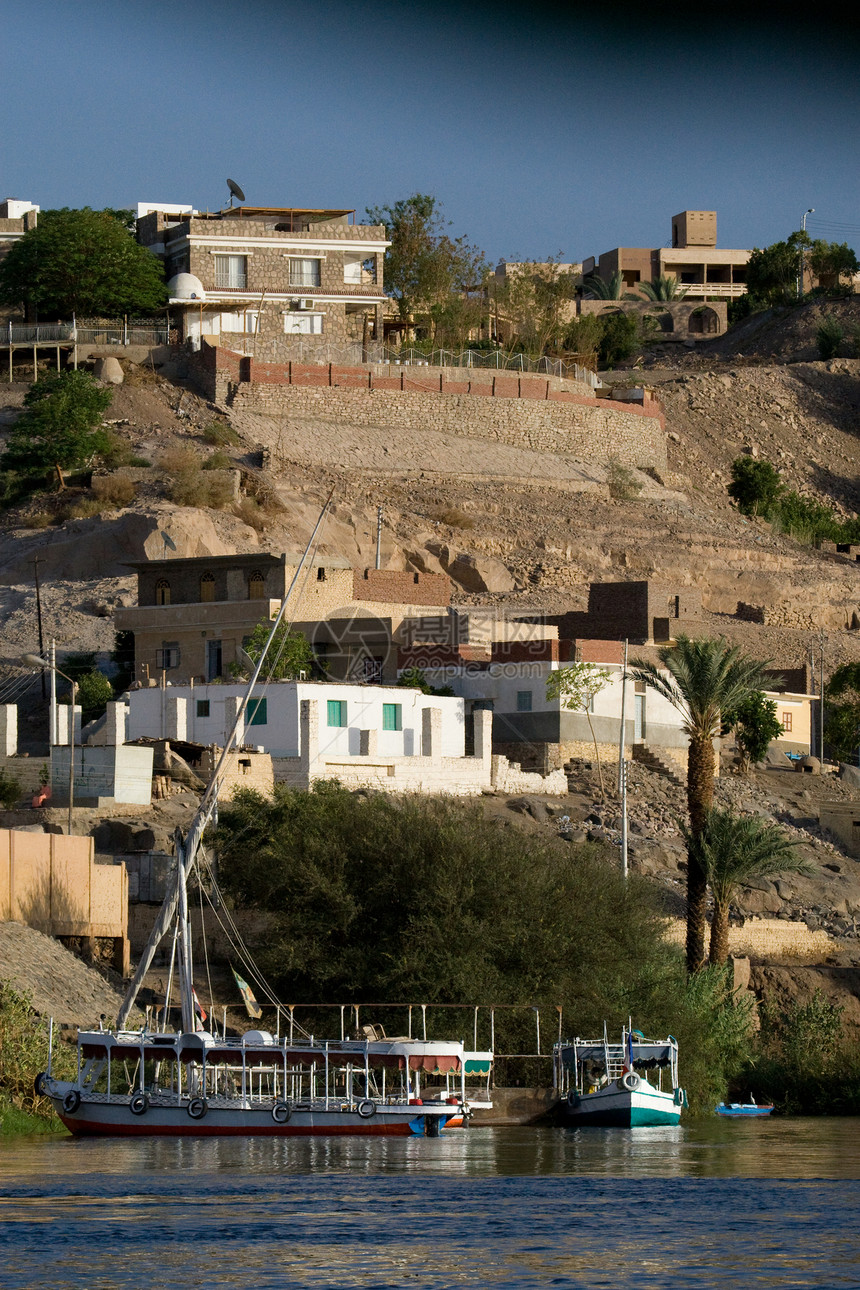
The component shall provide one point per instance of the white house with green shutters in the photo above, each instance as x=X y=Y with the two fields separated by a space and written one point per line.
x=363 y=735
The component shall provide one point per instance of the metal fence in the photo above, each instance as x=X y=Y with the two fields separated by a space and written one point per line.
x=42 y=333
x=103 y=333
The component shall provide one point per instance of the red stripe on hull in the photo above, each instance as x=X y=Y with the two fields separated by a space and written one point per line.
x=88 y=1128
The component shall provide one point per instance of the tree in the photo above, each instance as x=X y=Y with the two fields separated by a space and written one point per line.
x=94 y=693
x=755 y=487
x=576 y=687
x=755 y=724
x=424 y=266
x=61 y=426
x=772 y=272
x=82 y=262
x=288 y=656
x=619 y=338
x=706 y=677
x=734 y=850
x=832 y=261
x=663 y=288
x=536 y=301
x=595 y=288
x=842 y=712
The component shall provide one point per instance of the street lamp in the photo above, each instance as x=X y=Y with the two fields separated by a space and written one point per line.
x=811 y=211
x=33 y=660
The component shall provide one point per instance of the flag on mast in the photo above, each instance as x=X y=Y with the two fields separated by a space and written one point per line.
x=198 y=1006
x=252 y=1008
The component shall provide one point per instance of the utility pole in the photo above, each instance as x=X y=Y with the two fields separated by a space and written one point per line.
x=821 y=697
x=811 y=211
x=622 y=767
x=378 y=536
x=39 y=620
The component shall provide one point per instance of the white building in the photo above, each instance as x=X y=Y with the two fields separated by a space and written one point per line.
x=381 y=736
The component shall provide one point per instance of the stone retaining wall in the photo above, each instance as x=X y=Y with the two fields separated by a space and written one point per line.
x=541 y=413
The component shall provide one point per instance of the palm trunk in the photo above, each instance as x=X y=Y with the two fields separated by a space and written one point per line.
x=700 y=799
x=719 y=931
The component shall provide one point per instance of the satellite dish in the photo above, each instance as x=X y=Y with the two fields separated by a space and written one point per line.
x=169 y=544
x=235 y=191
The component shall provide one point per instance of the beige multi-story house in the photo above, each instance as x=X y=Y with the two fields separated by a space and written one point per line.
x=705 y=271
x=194 y=616
x=277 y=283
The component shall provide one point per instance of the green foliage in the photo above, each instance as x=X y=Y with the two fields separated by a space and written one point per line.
x=755 y=724
x=772 y=272
x=595 y=288
x=95 y=692
x=663 y=288
x=412 y=678
x=755 y=486
x=61 y=424
x=82 y=262
x=832 y=261
x=289 y=653
x=218 y=461
x=577 y=685
x=619 y=338
x=829 y=337
x=424 y=266
x=23 y=1054
x=122 y=657
x=220 y=434
x=803 y=1061
x=10 y=791
x=535 y=300
x=623 y=484
x=842 y=712
x=714 y=1028
x=583 y=336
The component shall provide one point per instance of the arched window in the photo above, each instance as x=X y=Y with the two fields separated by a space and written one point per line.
x=207 y=586
x=162 y=592
x=256 y=585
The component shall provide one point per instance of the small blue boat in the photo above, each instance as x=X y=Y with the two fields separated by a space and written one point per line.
x=743 y=1110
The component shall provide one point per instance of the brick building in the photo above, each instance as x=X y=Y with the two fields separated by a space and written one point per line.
x=641 y=612
x=278 y=283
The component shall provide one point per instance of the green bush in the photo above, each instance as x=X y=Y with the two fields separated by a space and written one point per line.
x=218 y=461
x=829 y=337
x=60 y=426
x=619 y=338
x=802 y=1060
x=755 y=486
x=10 y=791
x=623 y=484
x=23 y=1054
x=220 y=434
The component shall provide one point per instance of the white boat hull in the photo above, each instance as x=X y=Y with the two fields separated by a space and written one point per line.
x=614 y=1107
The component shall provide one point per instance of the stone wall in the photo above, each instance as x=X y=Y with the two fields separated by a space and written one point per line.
x=772 y=939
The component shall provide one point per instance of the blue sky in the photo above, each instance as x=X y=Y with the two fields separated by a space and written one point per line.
x=541 y=128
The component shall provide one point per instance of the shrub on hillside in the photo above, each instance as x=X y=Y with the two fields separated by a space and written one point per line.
x=755 y=486
x=220 y=434
x=116 y=490
x=829 y=337
x=189 y=485
x=623 y=484
x=61 y=425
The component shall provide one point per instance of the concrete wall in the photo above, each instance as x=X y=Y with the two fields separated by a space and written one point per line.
x=772 y=939
x=52 y=883
x=103 y=773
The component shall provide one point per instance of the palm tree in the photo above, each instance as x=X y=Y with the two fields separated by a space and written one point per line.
x=733 y=850
x=665 y=288
x=596 y=289
x=705 y=678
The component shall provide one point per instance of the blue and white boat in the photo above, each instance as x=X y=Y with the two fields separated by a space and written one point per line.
x=629 y=1085
x=744 y=1110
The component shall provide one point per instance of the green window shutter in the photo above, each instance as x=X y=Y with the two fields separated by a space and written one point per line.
x=392 y=716
x=337 y=712
x=257 y=713
x=524 y=700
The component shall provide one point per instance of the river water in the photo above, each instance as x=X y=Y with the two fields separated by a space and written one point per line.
x=767 y=1203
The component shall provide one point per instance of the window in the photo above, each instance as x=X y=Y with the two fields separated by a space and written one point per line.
x=256 y=710
x=203 y=707
x=392 y=716
x=168 y=656
x=337 y=712
x=256 y=585
x=305 y=273
x=162 y=592
x=785 y=718
x=320 y=575
x=207 y=587
x=231 y=271
x=300 y=324
x=524 y=700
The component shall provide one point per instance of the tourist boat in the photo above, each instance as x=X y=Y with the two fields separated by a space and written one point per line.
x=607 y=1085
x=155 y=1081
x=743 y=1110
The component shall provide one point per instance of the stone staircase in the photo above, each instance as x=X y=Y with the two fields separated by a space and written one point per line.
x=664 y=766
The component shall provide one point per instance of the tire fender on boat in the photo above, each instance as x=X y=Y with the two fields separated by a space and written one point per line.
x=366 y=1109
x=573 y=1099
x=197 y=1108
x=630 y=1082
x=680 y=1097
x=71 y=1101
x=39 y=1083
x=138 y=1103
x=281 y=1112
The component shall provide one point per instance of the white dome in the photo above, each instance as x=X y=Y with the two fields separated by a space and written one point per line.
x=185 y=286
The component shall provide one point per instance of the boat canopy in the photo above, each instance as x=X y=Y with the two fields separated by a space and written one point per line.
x=645 y=1054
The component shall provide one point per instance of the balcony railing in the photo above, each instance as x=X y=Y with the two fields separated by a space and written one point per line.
x=719 y=290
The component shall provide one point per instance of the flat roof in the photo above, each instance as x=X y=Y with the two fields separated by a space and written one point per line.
x=268 y=212
x=244 y=557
